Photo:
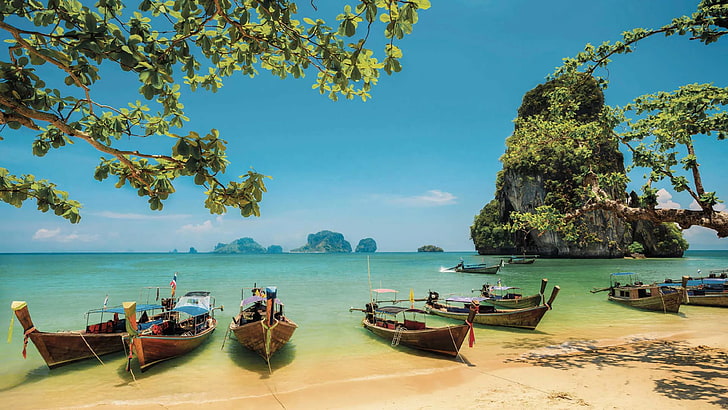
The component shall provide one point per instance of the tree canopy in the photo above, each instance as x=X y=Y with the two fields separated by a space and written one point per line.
x=59 y=50
x=657 y=130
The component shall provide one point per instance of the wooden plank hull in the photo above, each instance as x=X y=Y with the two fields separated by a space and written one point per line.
x=714 y=300
x=61 y=348
x=527 y=318
x=442 y=340
x=263 y=339
x=520 y=303
x=668 y=303
x=151 y=349
x=486 y=269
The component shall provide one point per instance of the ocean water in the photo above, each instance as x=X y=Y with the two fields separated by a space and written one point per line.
x=318 y=290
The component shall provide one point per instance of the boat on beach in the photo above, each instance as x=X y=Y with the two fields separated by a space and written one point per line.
x=459 y=307
x=636 y=294
x=506 y=297
x=100 y=337
x=261 y=325
x=172 y=333
x=711 y=290
x=406 y=326
x=478 y=267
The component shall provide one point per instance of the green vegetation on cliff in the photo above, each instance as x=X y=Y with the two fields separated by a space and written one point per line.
x=366 y=245
x=242 y=245
x=429 y=248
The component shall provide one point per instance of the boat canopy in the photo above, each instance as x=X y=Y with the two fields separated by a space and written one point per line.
x=120 y=309
x=464 y=299
x=253 y=299
x=194 y=303
x=503 y=287
x=393 y=310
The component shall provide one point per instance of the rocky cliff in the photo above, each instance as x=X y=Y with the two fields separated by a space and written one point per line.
x=366 y=245
x=535 y=175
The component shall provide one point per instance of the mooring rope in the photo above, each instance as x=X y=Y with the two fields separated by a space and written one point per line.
x=89 y=347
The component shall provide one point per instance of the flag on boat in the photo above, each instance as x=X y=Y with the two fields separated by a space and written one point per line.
x=173 y=283
x=412 y=298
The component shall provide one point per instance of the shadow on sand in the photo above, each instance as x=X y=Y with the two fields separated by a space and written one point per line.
x=697 y=373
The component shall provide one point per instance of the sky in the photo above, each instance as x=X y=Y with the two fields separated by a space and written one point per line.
x=410 y=167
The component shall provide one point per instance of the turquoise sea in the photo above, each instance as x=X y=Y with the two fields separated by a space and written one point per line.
x=318 y=290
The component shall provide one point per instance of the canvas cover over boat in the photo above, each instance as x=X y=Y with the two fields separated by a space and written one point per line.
x=393 y=310
x=120 y=309
x=464 y=299
x=194 y=303
x=253 y=299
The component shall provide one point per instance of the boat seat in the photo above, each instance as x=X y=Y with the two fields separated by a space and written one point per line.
x=414 y=325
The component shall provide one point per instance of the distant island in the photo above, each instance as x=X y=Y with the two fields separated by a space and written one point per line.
x=366 y=245
x=429 y=248
x=246 y=246
x=325 y=242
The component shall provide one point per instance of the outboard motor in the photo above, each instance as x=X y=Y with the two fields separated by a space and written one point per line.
x=432 y=297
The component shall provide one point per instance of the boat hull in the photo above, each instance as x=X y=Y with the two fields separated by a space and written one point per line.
x=713 y=300
x=519 y=303
x=263 y=339
x=151 y=349
x=487 y=270
x=442 y=340
x=668 y=303
x=62 y=348
x=527 y=318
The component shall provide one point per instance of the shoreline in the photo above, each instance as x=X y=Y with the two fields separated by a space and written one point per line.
x=677 y=371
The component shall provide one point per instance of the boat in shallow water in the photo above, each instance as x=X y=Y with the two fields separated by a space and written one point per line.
x=506 y=297
x=261 y=325
x=459 y=307
x=172 y=333
x=711 y=290
x=406 y=326
x=636 y=294
x=100 y=337
x=478 y=268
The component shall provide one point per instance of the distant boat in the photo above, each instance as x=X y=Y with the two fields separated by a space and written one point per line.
x=459 y=307
x=636 y=294
x=172 y=333
x=478 y=268
x=703 y=291
x=522 y=260
x=261 y=325
x=406 y=326
x=97 y=339
x=505 y=297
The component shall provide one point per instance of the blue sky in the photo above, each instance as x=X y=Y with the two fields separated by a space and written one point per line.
x=410 y=167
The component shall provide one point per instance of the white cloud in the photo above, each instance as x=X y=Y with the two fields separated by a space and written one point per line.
x=119 y=215
x=717 y=207
x=432 y=197
x=664 y=200
x=43 y=233
x=54 y=235
x=203 y=227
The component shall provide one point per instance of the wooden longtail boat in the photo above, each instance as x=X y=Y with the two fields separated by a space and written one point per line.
x=401 y=326
x=65 y=347
x=173 y=333
x=261 y=325
x=478 y=268
x=704 y=291
x=504 y=297
x=522 y=260
x=638 y=295
x=526 y=318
